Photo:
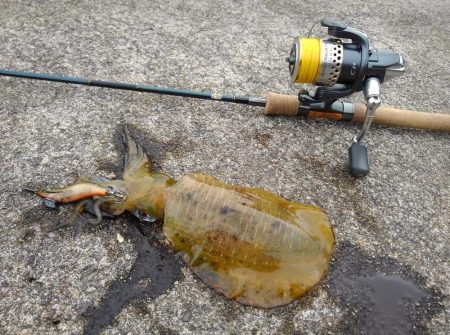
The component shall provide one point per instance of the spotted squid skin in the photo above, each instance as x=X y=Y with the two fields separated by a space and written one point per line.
x=249 y=244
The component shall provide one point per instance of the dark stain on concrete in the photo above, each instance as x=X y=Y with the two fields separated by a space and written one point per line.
x=155 y=270
x=379 y=295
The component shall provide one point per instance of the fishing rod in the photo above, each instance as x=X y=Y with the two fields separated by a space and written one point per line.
x=274 y=103
x=255 y=101
x=339 y=65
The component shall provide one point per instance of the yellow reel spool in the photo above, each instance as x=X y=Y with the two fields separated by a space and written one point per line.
x=310 y=49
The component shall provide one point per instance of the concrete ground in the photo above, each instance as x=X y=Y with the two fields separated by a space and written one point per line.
x=389 y=273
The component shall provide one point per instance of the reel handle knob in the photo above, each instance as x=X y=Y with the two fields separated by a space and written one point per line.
x=359 y=161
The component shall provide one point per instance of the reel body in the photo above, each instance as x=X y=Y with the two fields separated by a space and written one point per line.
x=340 y=66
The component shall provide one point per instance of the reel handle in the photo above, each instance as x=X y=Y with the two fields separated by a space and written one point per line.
x=359 y=162
x=287 y=105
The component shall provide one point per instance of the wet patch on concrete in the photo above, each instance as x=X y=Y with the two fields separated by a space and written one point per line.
x=155 y=270
x=380 y=294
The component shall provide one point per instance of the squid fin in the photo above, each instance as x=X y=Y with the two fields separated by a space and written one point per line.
x=137 y=164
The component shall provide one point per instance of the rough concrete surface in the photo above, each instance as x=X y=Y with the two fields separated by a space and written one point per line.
x=389 y=273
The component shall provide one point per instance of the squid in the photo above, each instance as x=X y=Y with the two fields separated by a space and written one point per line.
x=249 y=244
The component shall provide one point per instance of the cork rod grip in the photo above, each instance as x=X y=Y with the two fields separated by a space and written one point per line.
x=282 y=104
x=405 y=118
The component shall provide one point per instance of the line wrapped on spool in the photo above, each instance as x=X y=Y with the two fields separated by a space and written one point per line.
x=309 y=60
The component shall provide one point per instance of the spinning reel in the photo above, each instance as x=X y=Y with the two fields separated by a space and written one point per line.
x=342 y=65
